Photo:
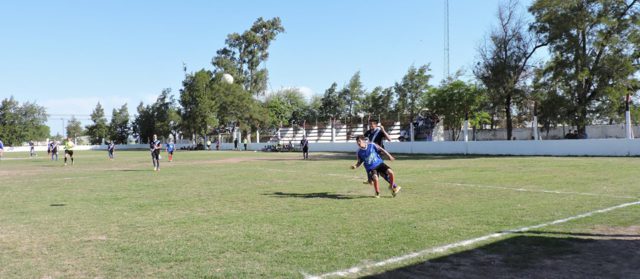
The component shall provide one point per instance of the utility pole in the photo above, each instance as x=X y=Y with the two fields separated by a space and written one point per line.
x=446 y=39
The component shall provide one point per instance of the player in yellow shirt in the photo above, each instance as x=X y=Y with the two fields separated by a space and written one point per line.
x=68 y=151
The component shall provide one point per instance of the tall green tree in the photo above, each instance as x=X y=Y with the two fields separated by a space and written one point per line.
x=245 y=52
x=595 y=51
x=378 y=102
x=286 y=106
x=119 y=128
x=412 y=90
x=505 y=61
x=21 y=123
x=332 y=104
x=352 y=94
x=166 y=114
x=199 y=105
x=237 y=107
x=99 y=129
x=143 y=126
x=74 y=128
x=453 y=101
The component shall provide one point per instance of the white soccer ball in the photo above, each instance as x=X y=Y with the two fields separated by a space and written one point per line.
x=227 y=78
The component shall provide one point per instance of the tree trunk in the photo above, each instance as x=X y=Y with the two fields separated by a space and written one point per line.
x=507 y=110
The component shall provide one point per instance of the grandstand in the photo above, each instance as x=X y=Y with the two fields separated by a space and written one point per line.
x=342 y=133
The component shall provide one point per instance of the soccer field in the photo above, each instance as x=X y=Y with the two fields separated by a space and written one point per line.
x=246 y=215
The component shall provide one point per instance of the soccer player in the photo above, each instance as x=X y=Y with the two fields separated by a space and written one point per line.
x=154 y=146
x=32 y=149
x=110 y=149
x=305 y=148
x=376 y=134
x=1 y=149
x=374 y=165
x=170 y=148
x=54 y=150
x=68 y=150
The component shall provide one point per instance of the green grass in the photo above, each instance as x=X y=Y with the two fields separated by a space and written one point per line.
x=246 y=214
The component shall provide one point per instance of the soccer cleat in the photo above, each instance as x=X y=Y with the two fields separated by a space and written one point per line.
x=395 y=190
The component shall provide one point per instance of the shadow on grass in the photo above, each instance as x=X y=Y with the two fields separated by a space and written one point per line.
x=321 y=195
x=57 y=204
x=535 y=256
x=135 y=170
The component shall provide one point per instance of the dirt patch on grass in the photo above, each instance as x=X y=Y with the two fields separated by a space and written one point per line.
x=604 y=252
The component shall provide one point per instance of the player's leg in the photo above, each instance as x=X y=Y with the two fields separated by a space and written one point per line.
x=71 y=155
x=153 y=160
x=157 y=160
x=392 y=182
x=376 y=185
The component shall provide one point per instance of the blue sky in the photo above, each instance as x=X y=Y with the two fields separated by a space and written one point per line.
x=68 y=55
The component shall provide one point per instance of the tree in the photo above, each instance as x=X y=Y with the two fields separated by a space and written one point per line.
x=332 y=105
x=245 y=52
x=595 y=49
x=74 y=128
x=119 y=129
x=20 y=123
x=454 y=100
x=99 y=129
x=352 y=94
x=166 y=114
x=143 y=126
x=505 y=62
x=412 y=90
x=285 y=106
x=378 y=102
x=199 y=105
x=237 y=108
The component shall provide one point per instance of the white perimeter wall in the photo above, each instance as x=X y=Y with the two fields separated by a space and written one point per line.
x=590 y=147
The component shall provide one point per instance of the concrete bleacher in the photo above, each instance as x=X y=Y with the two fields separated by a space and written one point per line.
x=317 y=134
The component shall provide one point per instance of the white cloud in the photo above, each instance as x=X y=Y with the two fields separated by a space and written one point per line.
x=307 y=92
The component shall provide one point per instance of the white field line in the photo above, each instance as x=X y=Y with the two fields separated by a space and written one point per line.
x=440 y=249
x=537 y=191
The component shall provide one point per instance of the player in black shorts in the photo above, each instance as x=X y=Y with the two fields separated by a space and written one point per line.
x=305 y=148
x=154 y=147
x=376 y=134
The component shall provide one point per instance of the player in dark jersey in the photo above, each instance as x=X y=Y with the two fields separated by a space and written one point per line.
x=32 y=149
x=154 y=147
x=305 y=148
x=1 y=149
x=54 y=150
x=376 y=134
x=111 y=148
x=374 y=165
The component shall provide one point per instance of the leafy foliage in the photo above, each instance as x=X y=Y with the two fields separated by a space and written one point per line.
x=99 y=129
x=21 y=123
x=594 y=48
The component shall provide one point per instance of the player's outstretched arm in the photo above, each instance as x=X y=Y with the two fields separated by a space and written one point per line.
x=385 y=152
x=384 y=133
x=357 y=164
